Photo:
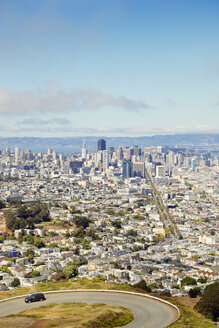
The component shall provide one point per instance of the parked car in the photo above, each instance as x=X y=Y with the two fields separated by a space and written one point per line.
x=35 y=298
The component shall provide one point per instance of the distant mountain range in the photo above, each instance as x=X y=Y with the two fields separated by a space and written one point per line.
x=74 y=144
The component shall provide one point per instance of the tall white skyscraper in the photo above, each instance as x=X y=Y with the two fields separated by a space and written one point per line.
x=16 y=154
x=84 y=151
x=105 y=160
x=54 y=155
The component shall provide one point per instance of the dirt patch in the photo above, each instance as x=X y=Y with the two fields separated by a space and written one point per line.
x=188 y=301
x=15 y=321
x=39 y=324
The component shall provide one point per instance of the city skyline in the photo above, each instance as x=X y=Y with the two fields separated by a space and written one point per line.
x=109 y=68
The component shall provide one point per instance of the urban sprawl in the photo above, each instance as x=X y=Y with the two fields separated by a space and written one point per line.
x=122 y=215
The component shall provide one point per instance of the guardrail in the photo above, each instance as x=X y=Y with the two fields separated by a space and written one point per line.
x=103 y=291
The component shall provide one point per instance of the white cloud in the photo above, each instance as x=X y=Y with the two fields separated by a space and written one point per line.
x=61 y=121
x=33 y=121
x=55 y=98
x=39 y=121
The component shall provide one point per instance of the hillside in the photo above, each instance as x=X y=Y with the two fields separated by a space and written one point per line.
x=74 y=144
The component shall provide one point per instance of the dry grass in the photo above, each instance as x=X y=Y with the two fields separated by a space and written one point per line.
x=189 y=318
x=188 y=301
x=65 y=285
x=18 y=322
x=65 y=315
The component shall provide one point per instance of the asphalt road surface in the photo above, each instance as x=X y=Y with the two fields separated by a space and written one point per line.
x=148 y=313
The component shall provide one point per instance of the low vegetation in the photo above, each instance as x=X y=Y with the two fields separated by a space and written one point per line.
x=26 y=216
x=190 y=318
x=82 y=283
x=209 y=302
x=75 y=315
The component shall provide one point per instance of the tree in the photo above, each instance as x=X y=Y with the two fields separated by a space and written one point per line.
x=143 y=285
x=77 y=251
x=131 y=232
x=79 y=232
x=28 y=238
x=209 y=303
x=81 y=221
x=165 y=293
x=2 y=204
x=176 y=286
x=202 y=280
x=28 y=223
x=30 y=254
x=5 y=268
x=117 y=224
x=70 y=271
x=23 y=212
x=43 y=215
x=188 y=281
x=75 y=211
x=159 y=237
x=10 y=219
x=26 y=217
x=34 y=273
x=194 y=292
x=15 y=282
x=39 y=243
x=153 y=286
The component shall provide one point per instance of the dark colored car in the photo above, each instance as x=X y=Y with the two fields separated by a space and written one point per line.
x=35 y=298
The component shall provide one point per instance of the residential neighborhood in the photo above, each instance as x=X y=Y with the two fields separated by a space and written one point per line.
x=123 y=215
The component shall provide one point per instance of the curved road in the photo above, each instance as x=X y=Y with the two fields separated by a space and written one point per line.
x=148 y=313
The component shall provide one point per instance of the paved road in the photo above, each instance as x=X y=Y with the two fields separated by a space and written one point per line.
x=148 y=313
x=162 y=209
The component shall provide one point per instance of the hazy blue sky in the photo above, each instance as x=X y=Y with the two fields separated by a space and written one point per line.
x=108 y=67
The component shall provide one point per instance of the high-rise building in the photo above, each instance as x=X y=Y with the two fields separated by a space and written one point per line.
x=98 y=158
x=119 y=154
x=128 y=153
x=54 y=155
x=160 y=171
x=101 y=144
x=28 y=155
x=16 y=154
x=111 y=150
x=84 y=151
x=138 y=169
x=126 y=169
x=136 y=151
x=105 y=160
x=75 y=166
x=193 y=164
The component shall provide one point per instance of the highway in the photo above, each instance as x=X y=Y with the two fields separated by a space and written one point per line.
x=148 y=313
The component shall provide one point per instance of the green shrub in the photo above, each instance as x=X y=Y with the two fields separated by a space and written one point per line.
x=209 y=303
x=143 y=285
x=194 y=292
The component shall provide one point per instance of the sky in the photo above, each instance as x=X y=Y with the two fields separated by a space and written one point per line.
x=108 y=67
